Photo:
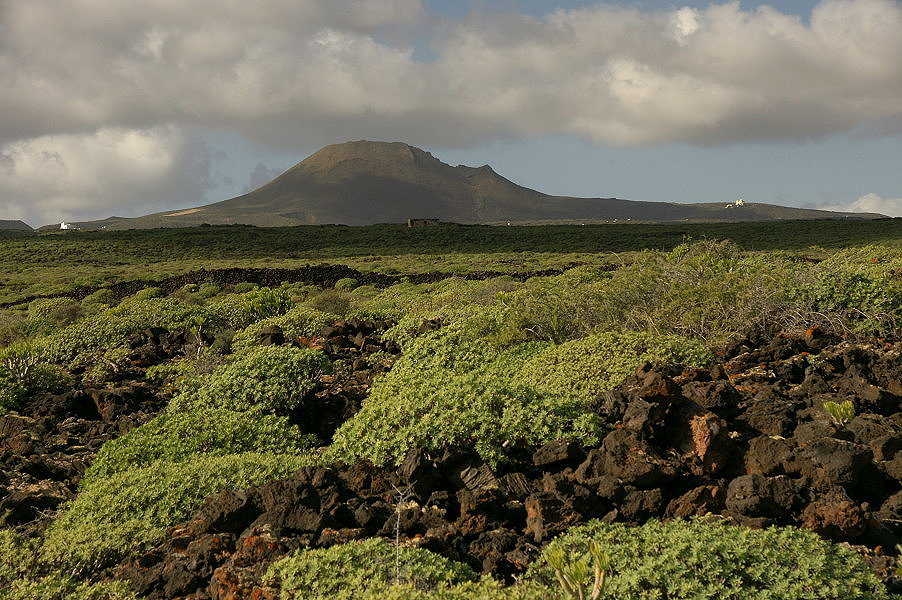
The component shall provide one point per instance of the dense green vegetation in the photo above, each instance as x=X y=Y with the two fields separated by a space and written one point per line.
x=505 y=365
x=132 y=508
x=712 y=560
x=180 y=437
x=33 y=263
x=679 y=560
x=348 y=570
x=450 y=391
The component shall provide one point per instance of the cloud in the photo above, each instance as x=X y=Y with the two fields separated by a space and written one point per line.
x=872 y=203
x=261 y=175
x=340 y=70
x=284 y=74
x=124 y=171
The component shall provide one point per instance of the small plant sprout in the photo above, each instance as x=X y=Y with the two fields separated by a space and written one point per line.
x=840 y=412
x=573 y=575
x=401 y=497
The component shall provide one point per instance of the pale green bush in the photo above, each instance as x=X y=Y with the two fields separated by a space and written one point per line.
x=99 y=332
x=131 y=509
x=178 y=437
x=701 y=560
x=63 y=587
x=449 y=390
x=267 y=379
x=591 y=365
x=348 y=570
x=299 y=321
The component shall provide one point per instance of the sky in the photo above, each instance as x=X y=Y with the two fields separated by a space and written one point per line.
x=128 y=108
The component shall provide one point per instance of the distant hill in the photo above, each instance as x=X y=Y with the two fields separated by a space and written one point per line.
x=14 y=225
x=362 y=183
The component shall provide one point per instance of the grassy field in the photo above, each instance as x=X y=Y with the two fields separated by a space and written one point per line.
x=518 y=362
x=35 y=264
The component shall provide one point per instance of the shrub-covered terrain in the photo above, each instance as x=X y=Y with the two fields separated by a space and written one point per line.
x=423 y=416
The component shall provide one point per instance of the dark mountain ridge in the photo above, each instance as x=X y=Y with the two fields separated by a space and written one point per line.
x=14 y=225
x=364 y=182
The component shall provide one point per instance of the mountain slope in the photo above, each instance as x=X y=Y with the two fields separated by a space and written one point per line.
x=14 y=225
x=361 y=183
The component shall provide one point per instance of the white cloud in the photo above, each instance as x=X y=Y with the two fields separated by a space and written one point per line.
x=871 y=203
x=124 y=171
x=346 y=69
x=290 y=73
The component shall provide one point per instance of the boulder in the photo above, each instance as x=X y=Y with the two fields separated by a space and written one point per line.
x=557 y=453
x=759 y=496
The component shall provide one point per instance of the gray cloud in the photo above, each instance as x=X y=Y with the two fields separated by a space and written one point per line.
x=261 y=175
x=123 y=171
x=72 y=71
x=873 y=203
x=610 y=74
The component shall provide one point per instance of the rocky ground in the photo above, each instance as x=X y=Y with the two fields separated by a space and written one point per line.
x=747 y=439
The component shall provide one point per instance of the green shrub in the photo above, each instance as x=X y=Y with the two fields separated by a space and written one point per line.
x=330 y=300
x=19 y=581
x=176 y=376
x=99 y=332
x=182 y=436
x=266 y=302
x=349 y=570
x=108 y=364
x=591 y=365
x=148 y=293
x=484 y=589
x=23 y=371
x=63 y=310
x=17 y=557
x=131 y=509
x=101 y=299
x=299 y=321
x=868 y=302
x=448 y=390
x=267 y=379
x=346 y=284
x=63 y=587
x=208 y=290
x=245 y=286
x=706 y=559
x=12 y=392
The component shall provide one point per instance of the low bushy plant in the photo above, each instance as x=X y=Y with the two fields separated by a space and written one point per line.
x=62 y=311
x=265 y=302
x=268 y=379
x=348 y=570
x=450 y=390
x=23 y=371
x=346 y=284
x=484 y=589
x=175 y=376
x=178 y=437
x=12 y=392
x=17 y=557
x=589 y=366
x=299 y=321
x=101 y=331
x=64 y=587
x=131 y=509
x=711 y=560
x=19 y=579
x=148 y=293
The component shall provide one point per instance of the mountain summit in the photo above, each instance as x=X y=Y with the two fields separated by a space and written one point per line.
x=363 y=182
